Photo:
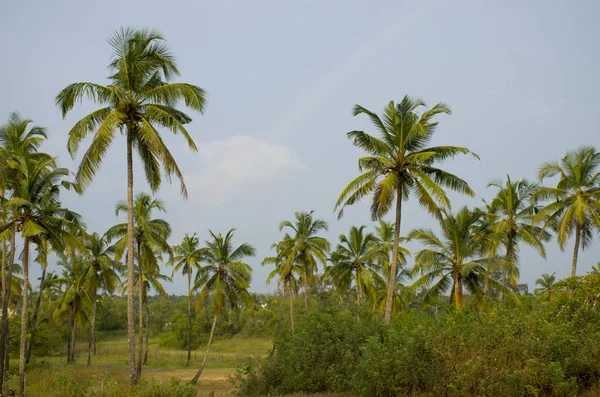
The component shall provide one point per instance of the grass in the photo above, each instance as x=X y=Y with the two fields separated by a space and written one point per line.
x=110 y=364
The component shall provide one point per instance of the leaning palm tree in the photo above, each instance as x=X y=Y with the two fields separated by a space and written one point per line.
x=511 y=212
x=355 y=262
x=225 y=279
x=547 y=284
x=575 y=206
x=288 y=272
x=102 y=275
x=400 y=163
x=186 y=259
x=304 y=246
x=457 y=260
x=138 y=99
x=150 y=241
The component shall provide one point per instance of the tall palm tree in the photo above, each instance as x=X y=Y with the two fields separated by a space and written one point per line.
x=150 y=240
x=400 y=163
x=512 y=210
x=575 y=206
x=457 y=260
x=547 y=284
x=355 y=261
x=17 y=141
x=304 y=246
x=225 y=279
x=186 y=259
x=288 y=272
x=37 y=215
x=102 y=274
x=138 y=99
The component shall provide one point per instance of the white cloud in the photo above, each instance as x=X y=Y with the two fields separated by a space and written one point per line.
x=235 y=164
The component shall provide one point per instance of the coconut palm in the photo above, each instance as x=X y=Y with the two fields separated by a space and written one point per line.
x=304 y=246
x=512 y=210
x=186 y=259
x=457 y=260
x=547 y=284
x=288 y=272
x=575 y=201
x=37 y=215
x=17 y=141
x=150 y=236
x=399 y=164
x=102 y=274
x=355 y=262
x=138 y=99
x=225 y=279
x=76 y=302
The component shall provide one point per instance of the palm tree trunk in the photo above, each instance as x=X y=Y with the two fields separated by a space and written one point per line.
x=291 y=309
x=69 y=342
x=130 y=286
x=23 y=341
x=140 y=313
x=92 y=331
x=358 y=293
x=74 y=335
x=35 y=313
x=394 y=264
x=5 y=302
x=510 y=256
x=189 y=309
x=147 y=330
x=210 y=338
x=306 y=287
x=458 y=292
x=576 y=250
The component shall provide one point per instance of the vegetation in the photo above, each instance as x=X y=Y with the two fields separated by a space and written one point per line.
x=374 y=319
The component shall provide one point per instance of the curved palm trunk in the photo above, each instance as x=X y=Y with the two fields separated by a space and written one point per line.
x=212 y=331
x=140 y=314
x=4 y=343
x=92 y=331
x=292 y=309
x=147 y=331
x=35 y=314
x=130 y=291
x=394 y=264
x=23 y=340
x=189 y=309
x=576 y=250
x=69 y=342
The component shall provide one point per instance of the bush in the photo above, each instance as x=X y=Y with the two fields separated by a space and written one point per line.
x=538 y=348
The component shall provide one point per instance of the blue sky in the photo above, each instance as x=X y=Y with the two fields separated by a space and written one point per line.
x=521 y=78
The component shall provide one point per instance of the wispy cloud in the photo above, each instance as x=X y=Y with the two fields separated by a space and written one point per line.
x=236 y=164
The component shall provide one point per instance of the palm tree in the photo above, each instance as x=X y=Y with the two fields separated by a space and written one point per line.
x=288 y=272
x=225 y=279
x=304 y=246
x=575 y=206
x=76 y=302
x=354 y=261
x=547 y=283
x=150 y=241
x=16 y=142
x=37 y=215
x=512 y=212
x=101 y=275
x=186 y=259
x=400 y=163
x=457 y=260
x=138 y=99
